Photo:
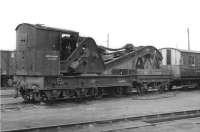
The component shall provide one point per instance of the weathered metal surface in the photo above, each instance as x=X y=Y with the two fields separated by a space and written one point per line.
x=38 y=49
x=85 y=59
x=74 y=54
x=130 y=60
x=88 y=81
x=40 y=37
x=42 y=27
x=37 y=62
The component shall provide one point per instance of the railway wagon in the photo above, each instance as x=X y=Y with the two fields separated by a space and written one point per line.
x=7 y=67
x=53 y=63
x=184 y=66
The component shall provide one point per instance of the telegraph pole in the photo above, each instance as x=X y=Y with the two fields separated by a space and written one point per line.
x=188 y=34
x=108 y=39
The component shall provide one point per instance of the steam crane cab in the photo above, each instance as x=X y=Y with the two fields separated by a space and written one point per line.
x=48 y=51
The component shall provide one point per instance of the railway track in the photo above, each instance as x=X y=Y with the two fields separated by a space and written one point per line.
x=115 y=124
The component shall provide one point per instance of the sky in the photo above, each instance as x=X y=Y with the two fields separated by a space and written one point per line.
x=161 y=23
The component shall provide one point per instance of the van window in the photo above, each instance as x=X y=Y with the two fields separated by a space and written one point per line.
x=168 y=57
x=191 y=60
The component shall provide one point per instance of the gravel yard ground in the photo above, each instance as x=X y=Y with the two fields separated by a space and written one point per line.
x=61 y=112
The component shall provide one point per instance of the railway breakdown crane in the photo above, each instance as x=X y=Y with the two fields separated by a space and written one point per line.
x=54 y=63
